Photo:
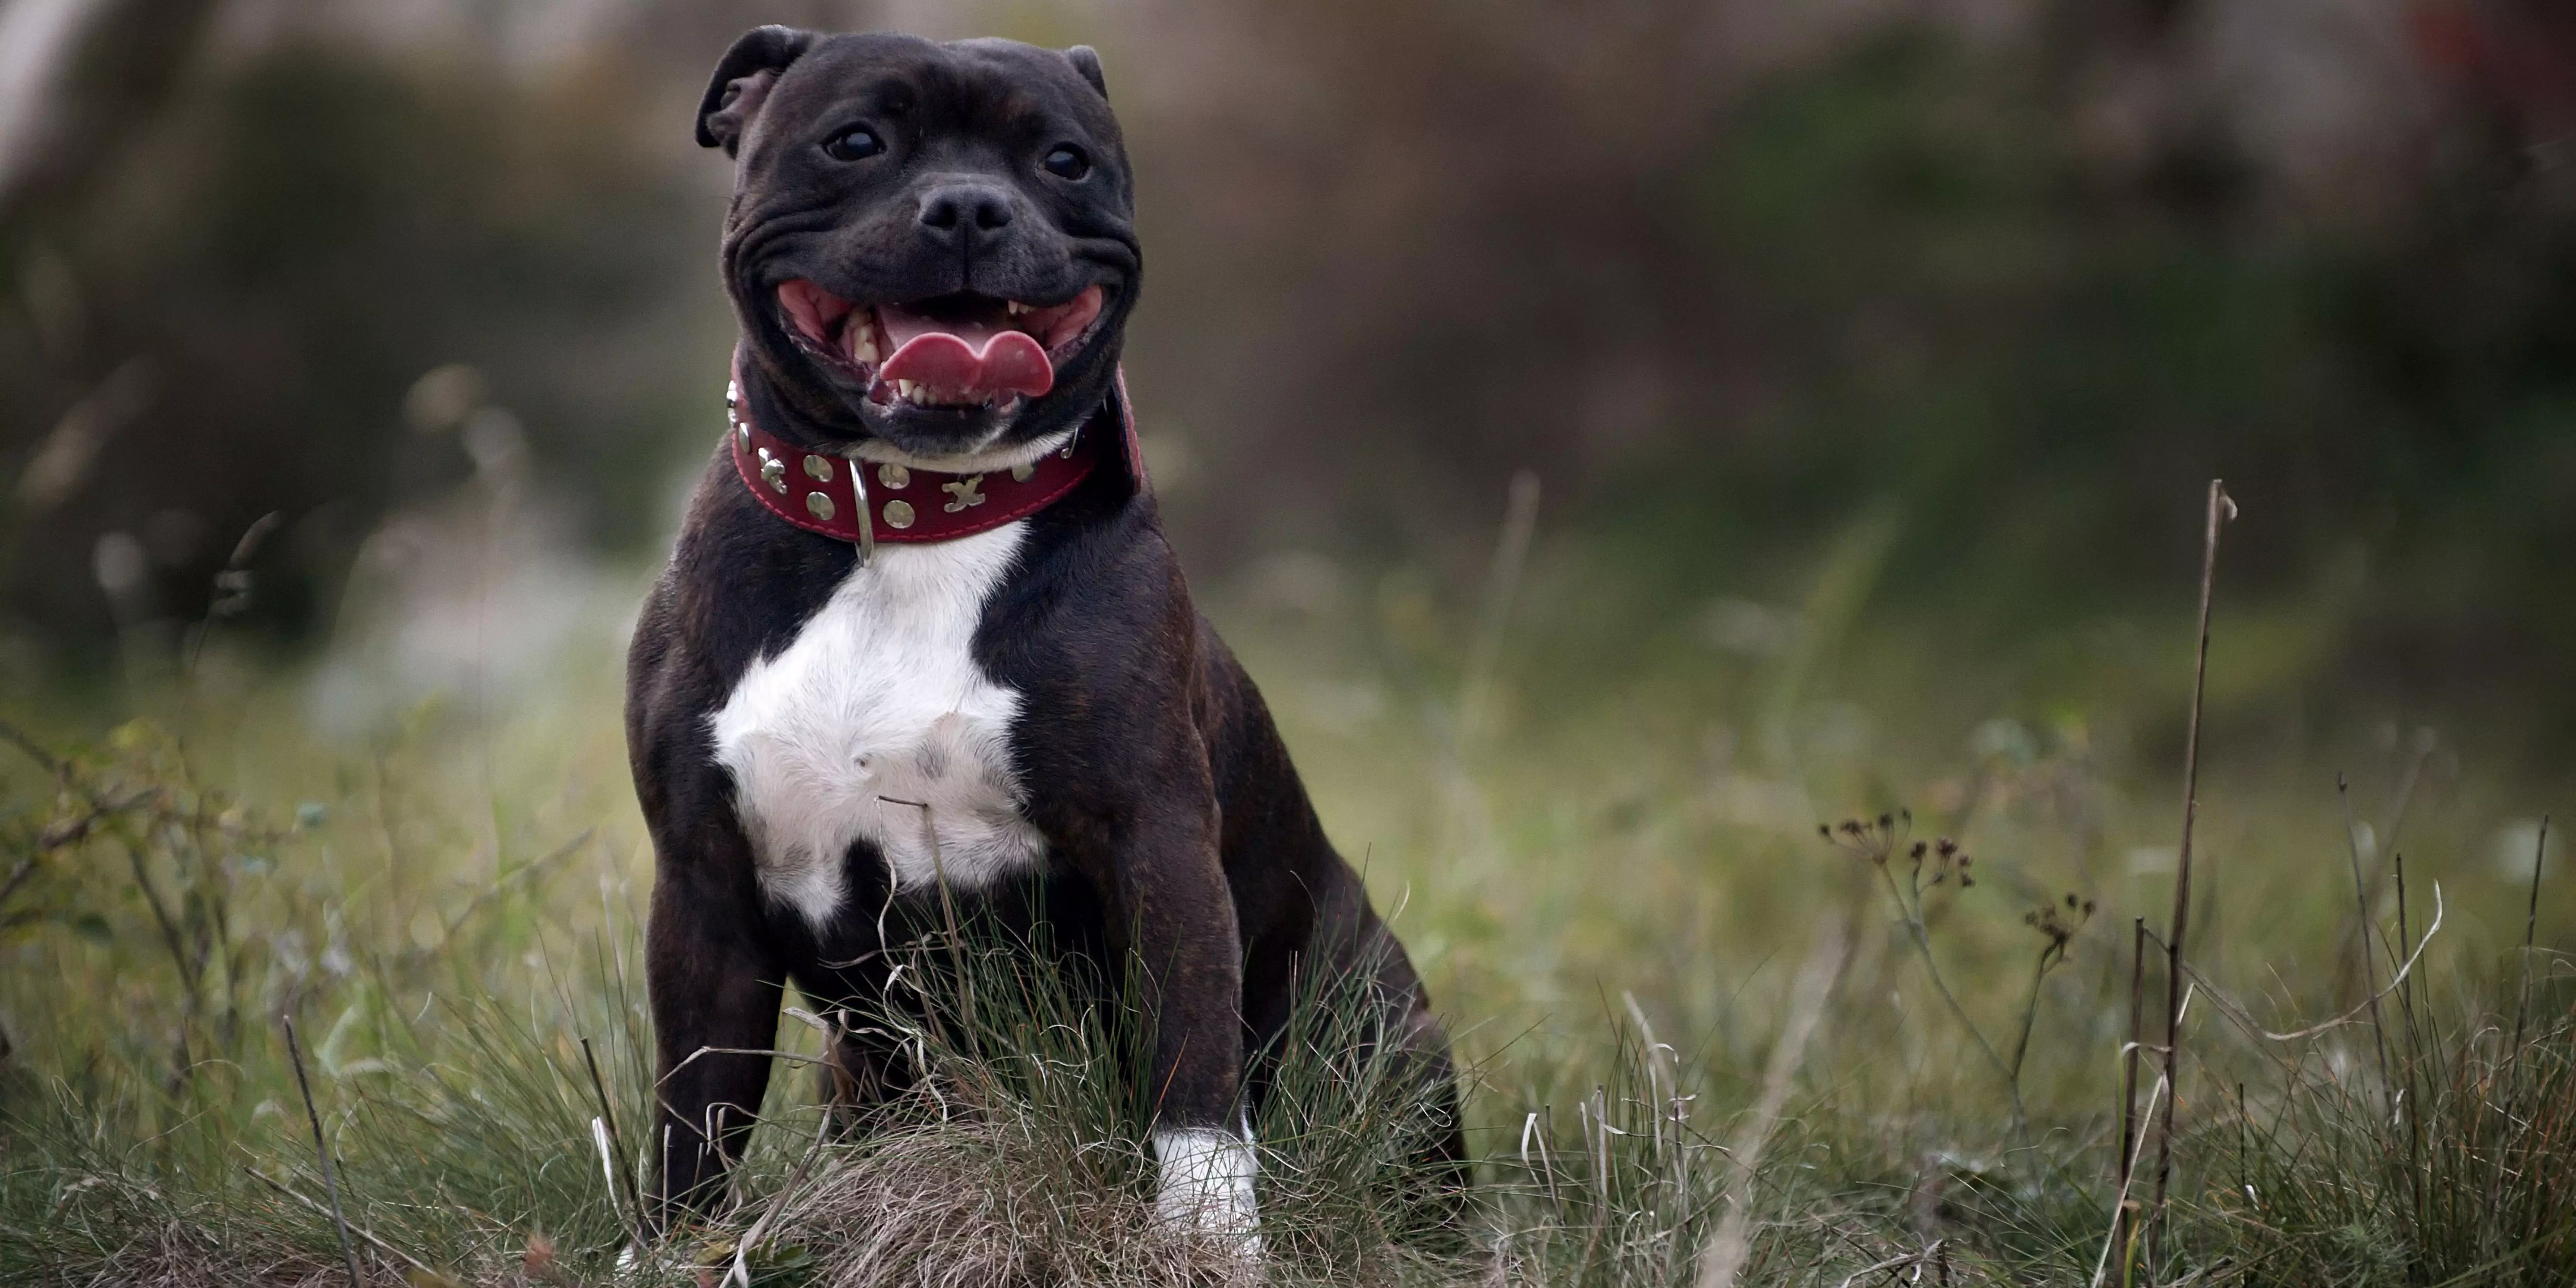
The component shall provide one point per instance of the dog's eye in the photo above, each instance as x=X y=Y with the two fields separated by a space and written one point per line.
x=853 y=143
x=1067 y=162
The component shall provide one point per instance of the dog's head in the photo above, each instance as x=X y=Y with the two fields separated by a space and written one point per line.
x=930 y=245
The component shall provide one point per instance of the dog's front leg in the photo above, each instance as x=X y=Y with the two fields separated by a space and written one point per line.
x=1172 y=902
x=714 y=988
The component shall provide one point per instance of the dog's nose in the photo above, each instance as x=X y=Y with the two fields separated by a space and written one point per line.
x=966 y=213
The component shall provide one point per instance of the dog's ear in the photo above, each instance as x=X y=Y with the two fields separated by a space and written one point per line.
x=742 y=80
x=1086 y=60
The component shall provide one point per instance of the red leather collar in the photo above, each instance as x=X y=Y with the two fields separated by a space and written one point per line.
x=865 y=502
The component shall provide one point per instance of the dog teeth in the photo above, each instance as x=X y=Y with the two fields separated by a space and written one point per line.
x=1014 y=308
x=863 y=342
x=921 y=395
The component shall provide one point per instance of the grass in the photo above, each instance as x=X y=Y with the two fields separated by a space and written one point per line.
x=1704 y=1046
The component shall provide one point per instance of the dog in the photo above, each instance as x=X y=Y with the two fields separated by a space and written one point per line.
x=921 y=637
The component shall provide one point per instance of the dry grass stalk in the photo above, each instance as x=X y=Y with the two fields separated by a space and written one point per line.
x=425 y=1270
x=2361 y=930
x=2221 y=509
x=740 y=1272
x=2121 y=1223
x=2530 y=930
x=2123 y=1234
x=948 y=914
x=1724 y=1257
x=2414 y=1105
x=322 y=1147
x=621 y=1176
x=2383 y=844
x=1502 y=586
x=976 y=1203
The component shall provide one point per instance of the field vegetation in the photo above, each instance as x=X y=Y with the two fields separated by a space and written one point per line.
x=1753 y=986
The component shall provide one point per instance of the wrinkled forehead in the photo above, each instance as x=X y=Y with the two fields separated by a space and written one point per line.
x=997 y=87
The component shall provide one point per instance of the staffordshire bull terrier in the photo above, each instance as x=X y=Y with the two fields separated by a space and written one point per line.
x=922 y=636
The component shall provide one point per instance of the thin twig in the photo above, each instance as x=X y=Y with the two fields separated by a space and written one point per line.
x=1877 y=1268
x=358 y=1230
x=2220 y=510
x=330 y=1173
x=17 y=877
x=1933 y=1251
x=2361 y=935
x=2129 y=1081
x=64 y=833
x=35 y=751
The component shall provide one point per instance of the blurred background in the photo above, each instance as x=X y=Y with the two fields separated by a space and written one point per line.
x=1867 y=361
x=1977 y=293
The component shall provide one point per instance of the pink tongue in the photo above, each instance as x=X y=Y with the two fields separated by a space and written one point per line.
x=962 y=358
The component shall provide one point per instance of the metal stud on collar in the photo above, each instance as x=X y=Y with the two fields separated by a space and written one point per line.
x=773 y=472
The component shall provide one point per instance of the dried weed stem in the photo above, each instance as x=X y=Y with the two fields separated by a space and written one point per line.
x=2221 y=509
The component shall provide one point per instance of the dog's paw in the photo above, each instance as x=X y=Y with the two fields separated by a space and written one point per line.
x=1207 y=1187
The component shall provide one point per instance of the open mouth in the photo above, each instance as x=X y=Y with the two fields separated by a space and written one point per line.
x=960 y=352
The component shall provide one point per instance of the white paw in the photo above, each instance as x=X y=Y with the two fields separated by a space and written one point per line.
x=1207 y=1186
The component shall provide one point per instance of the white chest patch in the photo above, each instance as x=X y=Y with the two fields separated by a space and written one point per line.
x=879 y=701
